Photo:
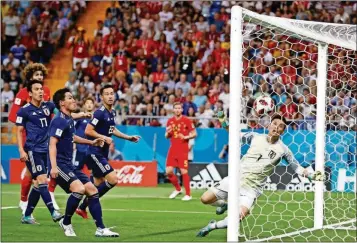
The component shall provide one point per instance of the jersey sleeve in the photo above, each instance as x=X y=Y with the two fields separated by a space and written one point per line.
x=51 y=106
x=21 y=117
x=57 y=127
x=20 y=100
x=293 y=163
x=97 y=116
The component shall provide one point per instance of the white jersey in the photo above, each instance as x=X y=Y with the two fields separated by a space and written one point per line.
x=260 y=160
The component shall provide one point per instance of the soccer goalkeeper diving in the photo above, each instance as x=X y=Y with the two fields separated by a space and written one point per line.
x=265 y=152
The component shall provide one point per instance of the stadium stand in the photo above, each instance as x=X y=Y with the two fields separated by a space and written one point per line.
x=155 y=53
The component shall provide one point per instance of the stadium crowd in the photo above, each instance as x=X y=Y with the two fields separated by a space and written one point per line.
x=156 y=53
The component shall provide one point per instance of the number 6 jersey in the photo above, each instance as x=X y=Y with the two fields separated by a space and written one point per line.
x=104 y=123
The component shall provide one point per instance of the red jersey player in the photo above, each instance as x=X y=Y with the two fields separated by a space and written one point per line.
x=180 y=130
x=34 y=71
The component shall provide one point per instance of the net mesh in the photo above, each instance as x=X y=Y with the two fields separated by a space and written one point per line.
x=282 y=64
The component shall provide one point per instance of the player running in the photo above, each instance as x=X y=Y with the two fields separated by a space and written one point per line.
x=69 y=178
x=33 y=71
x=265 y=152
x=34 y=118
x=102 y=126
x=180 y=130
x=80 y=125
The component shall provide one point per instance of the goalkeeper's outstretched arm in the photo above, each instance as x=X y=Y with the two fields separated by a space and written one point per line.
x=294 y=164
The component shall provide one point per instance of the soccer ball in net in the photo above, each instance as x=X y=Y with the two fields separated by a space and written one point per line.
x=263 y=105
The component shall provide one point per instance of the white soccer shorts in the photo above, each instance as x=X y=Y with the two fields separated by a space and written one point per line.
x=247 y=195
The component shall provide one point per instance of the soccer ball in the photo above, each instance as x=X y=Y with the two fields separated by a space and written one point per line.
x=263 y=105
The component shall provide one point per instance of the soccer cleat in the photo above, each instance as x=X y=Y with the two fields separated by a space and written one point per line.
x=106 y=232
x=23 y=206
x=28 y=220
x=186 y=198
x=54 y=203
x=222 y=209
x=82 y=213
x=68 y=229
x=175 y=194
x=57 y=216
x=205 y=230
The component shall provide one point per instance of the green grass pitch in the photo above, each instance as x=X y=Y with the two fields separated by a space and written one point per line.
x=146 y=214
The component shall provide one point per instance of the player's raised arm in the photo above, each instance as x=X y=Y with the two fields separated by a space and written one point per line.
x=295 y=165
x=80 y=115
x=96 y=142
x=134 y=138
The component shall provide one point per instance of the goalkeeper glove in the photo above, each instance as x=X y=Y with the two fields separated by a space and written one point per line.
x=317 y=176
x=222 y=119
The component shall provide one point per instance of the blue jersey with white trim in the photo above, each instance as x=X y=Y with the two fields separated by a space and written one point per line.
x=104 y=124
x=62 y=128
x=36 y=121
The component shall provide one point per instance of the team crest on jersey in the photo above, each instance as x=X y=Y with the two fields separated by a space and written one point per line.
x=46 y=111
x=271 y=154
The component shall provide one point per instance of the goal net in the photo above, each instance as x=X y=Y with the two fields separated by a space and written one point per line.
x=309 y=69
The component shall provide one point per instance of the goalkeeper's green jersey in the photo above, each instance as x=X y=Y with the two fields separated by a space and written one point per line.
x=261 y=158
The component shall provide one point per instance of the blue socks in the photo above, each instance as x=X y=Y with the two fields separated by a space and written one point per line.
x=46 y=197
x=33 y=199
x=95 y=210
x=72 y=204
x=102 y=189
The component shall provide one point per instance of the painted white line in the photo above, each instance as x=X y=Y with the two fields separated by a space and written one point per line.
x=304 y=231
x=11 y=207
x=176 y=211
x=128 y=196
x=134 y=210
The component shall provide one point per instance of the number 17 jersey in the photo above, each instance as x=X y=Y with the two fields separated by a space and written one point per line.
x=104 y=124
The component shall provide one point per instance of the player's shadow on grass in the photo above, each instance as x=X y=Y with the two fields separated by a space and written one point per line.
x=162 y=233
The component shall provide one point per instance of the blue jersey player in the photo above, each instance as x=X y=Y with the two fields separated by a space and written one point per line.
x=68 y=177
x=80 y=125
x=102 y=126
x=35 y=118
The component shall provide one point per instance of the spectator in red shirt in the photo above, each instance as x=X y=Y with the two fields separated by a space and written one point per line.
x=80 y=48
x=141 y=63
x=159 y=74
x=288 y=109
x=110 y=47
x=121 y=61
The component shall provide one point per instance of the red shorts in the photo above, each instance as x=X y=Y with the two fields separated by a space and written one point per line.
x=177 y=160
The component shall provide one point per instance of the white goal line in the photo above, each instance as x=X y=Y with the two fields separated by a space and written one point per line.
x=329 y=226
x=133 y=196
x=168 y=211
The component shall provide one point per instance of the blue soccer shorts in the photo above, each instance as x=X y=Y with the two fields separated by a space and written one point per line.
x=37 y=163
x=99 y=165
x=68 y=173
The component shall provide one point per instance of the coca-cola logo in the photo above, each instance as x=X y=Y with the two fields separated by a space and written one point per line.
x=130 y=174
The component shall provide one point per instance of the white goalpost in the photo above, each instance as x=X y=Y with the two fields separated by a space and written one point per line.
x=323 y=56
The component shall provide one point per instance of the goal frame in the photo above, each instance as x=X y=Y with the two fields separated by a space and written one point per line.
x=236 y=54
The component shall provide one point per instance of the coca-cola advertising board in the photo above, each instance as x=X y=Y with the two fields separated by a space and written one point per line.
x=129 y=173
